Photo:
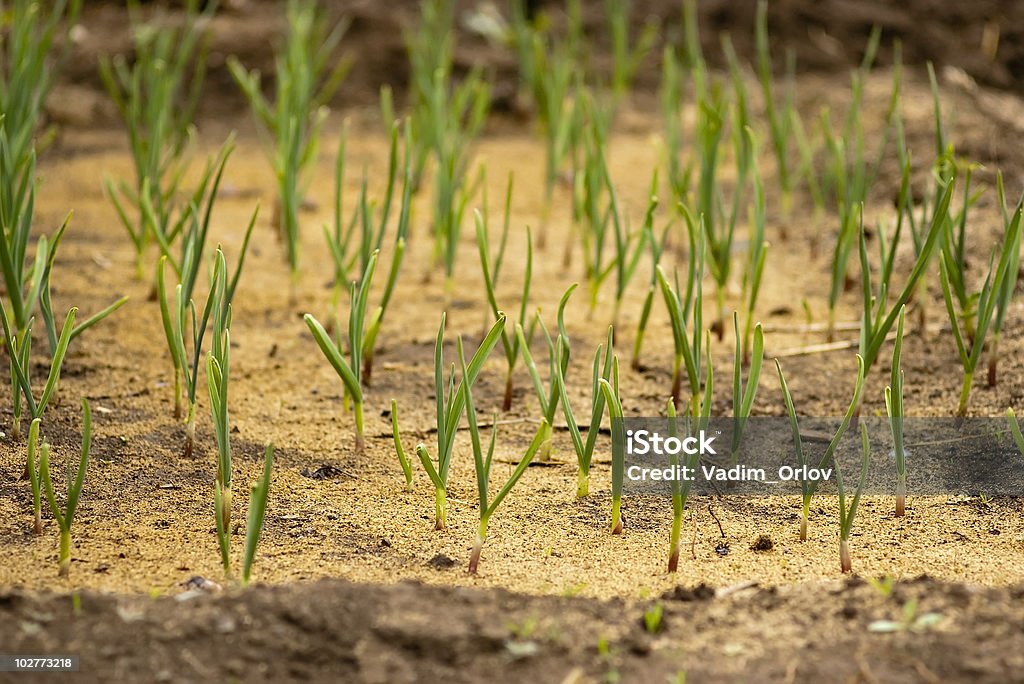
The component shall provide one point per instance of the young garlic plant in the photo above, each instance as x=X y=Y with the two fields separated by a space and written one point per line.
x=451 y=403
x=602 y=370
x=182 y=322
x=971 y=343
x=809 y=487
x=76 y=480
x=743 y=397
x=291 y=123
x=610 y=391
x=1005 y=295
x=156 y=95
x=848 y=513
x=894 y=410
x=483 y=464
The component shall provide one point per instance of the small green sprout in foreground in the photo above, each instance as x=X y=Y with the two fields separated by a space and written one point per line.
x=653 y=618
x=809 y=487
x=846 y=515
x=75 y=482
x=681 y=490
x=1011 y=417
x=684 y=308
x=399 y=449
x=483 y=466
x=257 y=511
x=894 y=409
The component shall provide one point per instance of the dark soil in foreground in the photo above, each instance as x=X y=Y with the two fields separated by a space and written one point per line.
x=338 y=631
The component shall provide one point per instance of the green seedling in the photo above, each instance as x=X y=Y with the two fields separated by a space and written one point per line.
x=610 y=390
x=602 y=369
x=657 y=247
x=1011 y=418
x=445 y=119
x=671 y=100
x=684 y=308
x=743 y=397
x=370 y=239
x=681 y=490
x=654 y=618
x=291 y=123
x=491 y=270
x=156 y=95
x=781 y=115
x=451 y=403
x=847 y=514
x=33 y=476
x=351 y=250
x=969 y=346
x=75 y=482
x=349 y=370
x=182 y=322
x=558 y=361
x=626 y=60
x=29 y=66
x=193 y=227
x=1005 y=295
x=757 y=254
x=399 y=450
x=849 y=173
x=894 y=410
x=878 y=315
x=808 y=487
x=483 y=465
x=257 y=512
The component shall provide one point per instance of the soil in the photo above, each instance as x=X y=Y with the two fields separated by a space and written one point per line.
x=353 y=582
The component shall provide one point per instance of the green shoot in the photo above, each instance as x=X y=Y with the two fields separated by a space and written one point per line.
x=610 y=390
x=483 y=465
x=29 y=67
x=491 y=269
x=602 y=369
x=451 y=402
x=681 y=490
x=743 y=397
x=349 y=370
x=757 y=254
x=292 y=122
x=846 y=515
x=217 y=376
x=1011 y=417
x=399 y=450
x=33 y=476
x=808 y=487
x=969 y=343
x=257 y=511
x=684 y=308
x=657 y=247
x=193 y=226
x=75 y=482
x=1004 y=296
x=878 y=317
x=156 y=96
x=626 y=60
x=558 y=361
x=671 y=99
x=894 y=409
x=780 y=115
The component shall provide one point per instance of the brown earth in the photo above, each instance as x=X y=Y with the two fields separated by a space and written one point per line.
x=145 y=523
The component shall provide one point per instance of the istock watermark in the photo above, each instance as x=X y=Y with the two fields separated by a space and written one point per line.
x=945 y=456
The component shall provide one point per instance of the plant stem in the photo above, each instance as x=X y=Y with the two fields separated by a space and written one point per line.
x=844 y=556
x=440 y=508
x=673 y=548
x=803 y=520
x=617 y=515
x=64 y=562
x=478 y=546
x=359 y=426
x=582 y=483
x=901 y=495
x=190 y=429
x=965 y=394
